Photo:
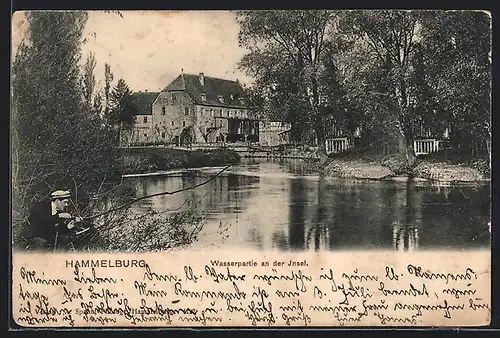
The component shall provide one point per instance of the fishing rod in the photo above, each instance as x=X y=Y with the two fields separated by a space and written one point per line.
x=137 y=200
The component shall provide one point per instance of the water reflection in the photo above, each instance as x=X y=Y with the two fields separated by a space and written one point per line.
x=278 y=205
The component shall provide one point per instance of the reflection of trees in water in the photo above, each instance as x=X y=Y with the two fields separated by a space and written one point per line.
x=332 y=214
x=399 y=215
x=298 y=212
x=280 y=240
x=255 y=237
x=348 y=214
x=407 y=214
x=351 y=214
x=460 y=216
x=319 y=231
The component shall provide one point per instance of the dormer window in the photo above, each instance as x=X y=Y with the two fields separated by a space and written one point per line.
x=221 y=98
x=231 y=97
x=203 y=96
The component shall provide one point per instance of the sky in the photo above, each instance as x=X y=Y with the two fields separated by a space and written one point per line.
x=148 y=49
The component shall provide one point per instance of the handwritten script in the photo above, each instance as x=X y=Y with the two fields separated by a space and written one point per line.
x=188 y=289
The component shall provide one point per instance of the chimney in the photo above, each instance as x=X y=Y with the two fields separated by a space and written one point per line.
x=202 y=79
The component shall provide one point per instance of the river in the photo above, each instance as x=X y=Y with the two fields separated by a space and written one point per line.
x=279 y=205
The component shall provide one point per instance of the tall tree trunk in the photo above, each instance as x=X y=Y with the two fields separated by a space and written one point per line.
x=407 y=140
x=488 y=146
x=319 y=124
x=409 y=143
x=319 y=128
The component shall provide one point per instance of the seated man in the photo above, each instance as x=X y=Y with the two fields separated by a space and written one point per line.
x=50 y=222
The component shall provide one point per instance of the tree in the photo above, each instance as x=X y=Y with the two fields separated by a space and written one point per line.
x=432 y=69
x=123 y=109
x=89 y=80
x=58 y=144
x=92 y=96
x=457 y=59
x=286 y=50
x=360 y=83
x=108 y=78
x=391 y=37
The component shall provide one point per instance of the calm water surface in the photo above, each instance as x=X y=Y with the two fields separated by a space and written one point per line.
x=263 y=204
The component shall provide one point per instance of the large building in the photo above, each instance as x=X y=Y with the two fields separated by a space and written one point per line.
x=142 y=127
x=193 y=109
x=202 y=109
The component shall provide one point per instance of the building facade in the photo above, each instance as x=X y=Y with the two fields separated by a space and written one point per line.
x=200 y=109
x=141 y=131
x=273 y=133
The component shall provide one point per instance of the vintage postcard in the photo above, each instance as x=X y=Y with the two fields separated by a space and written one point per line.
x=277 y=168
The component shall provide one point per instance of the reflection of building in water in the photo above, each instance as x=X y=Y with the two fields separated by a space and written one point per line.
x=226 y=194
x=222 y=195
x=441 y=188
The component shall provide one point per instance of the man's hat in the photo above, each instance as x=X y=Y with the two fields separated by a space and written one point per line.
x=60 y=194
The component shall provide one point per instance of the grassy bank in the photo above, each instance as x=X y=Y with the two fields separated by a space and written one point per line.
x=450 y=166
x=443 y=166
x=143 y=160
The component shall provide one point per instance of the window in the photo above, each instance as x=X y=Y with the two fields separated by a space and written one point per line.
x=221 y=98
x=163 y=135
x=173 y=123
x=145 y=135
x=231 y=97
x=186 y=111
x=203 y=96
x=145 y=119
x=163 y=110
x=212 y=113
x=183 y=123
x=174 y=98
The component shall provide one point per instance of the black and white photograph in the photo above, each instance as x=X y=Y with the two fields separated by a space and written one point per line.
x=276 y=130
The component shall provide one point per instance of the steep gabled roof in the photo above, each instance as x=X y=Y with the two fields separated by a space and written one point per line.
x=212 y=88
x=143 y=102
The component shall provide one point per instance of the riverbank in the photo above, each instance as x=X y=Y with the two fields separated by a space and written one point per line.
x=445 y=167
x=147 y=160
